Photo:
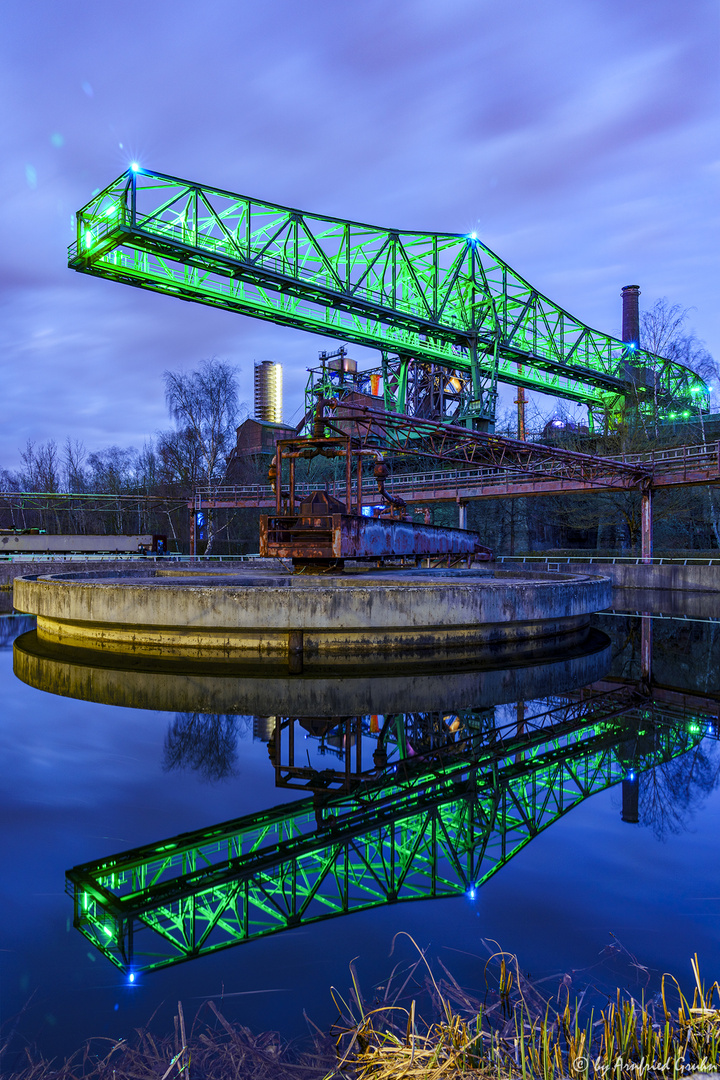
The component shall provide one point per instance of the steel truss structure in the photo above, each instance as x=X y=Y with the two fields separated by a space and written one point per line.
x=402 y=435
x=435 y=826
x=440 y=299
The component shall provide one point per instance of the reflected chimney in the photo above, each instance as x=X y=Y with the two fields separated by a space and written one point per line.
x=631 y=313
x=630 y=799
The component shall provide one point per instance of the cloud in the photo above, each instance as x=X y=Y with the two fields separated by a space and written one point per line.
x=577 y=140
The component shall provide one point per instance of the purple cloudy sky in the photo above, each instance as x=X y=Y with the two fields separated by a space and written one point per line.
x=579 y=138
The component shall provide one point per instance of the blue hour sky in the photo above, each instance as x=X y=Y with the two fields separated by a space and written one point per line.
x=578 y=138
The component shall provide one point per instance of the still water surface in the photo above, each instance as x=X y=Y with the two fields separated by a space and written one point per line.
x=82 y=780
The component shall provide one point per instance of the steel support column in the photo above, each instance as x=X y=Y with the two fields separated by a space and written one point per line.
x=646 y=653
x=193 y=530
x=646 y=524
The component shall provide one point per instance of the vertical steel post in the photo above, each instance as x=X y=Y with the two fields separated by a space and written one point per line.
x=359 y=485
x=358 y=744
x=520 y=401
x=291 y=483
x=646 y=524
x=462 y=515
x=133 y=197
x=348 y=478
x=278 y=481
x=348 y=752
x=646 y=652
x=193 y=535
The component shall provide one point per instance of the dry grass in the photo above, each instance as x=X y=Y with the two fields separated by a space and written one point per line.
x=515 y=1031
x=213 y=1049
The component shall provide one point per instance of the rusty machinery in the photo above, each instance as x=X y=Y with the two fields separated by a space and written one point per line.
x=320 y=532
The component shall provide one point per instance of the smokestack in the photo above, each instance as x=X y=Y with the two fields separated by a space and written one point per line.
x=631 y=314
x=268 y=391
x=631 y=799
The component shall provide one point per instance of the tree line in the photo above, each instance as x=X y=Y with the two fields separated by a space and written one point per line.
x=204 y=407
x=162 y=475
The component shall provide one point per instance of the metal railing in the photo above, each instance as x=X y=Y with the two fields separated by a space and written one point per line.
x=677 y=458
x=627 y=560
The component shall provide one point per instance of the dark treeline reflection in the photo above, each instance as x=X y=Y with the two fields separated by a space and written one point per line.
x=672 y=793
x=205 y=743
x=669 y=794
x=10 y=628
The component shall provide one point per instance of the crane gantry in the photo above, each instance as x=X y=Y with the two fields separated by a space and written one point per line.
x=421 y=829
x=437 y=306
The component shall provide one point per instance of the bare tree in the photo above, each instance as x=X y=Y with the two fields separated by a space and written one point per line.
x=74 y=464
x=40 y=467
x=672 y=793
x=663 y=331
x=204 y=405
x=204 y=742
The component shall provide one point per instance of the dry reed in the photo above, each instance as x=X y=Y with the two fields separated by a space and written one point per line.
x=515 y=1031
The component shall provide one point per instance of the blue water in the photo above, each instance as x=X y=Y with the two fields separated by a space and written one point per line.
x=80 y=780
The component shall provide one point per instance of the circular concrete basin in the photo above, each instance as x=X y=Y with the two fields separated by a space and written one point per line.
x=310 y=620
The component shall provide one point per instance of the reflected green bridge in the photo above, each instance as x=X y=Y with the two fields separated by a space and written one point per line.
x=436 y=825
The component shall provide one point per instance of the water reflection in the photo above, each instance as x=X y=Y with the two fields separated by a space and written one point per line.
x=671 y=794
x=219 y=688
x=12 y=625
x=447 y=803
x=413 y=787
x=205 y=743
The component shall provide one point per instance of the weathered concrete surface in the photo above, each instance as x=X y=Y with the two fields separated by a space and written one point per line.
x=257 y=613
x=192 y=687
x=19 y=567
x=637 y=576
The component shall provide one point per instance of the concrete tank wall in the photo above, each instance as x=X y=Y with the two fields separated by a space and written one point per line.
x=669 y=576
x=344 y=614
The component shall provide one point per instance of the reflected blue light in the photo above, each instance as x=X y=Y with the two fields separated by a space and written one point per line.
x=131 y=977
x=631 y=776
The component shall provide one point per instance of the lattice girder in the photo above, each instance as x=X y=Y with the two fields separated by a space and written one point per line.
x=441 y=297
x=407 y=836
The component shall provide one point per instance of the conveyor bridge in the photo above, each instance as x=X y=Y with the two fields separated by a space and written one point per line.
x=436 y=825
x=439 y=301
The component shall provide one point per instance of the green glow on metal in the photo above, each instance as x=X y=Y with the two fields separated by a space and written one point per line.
x=411 y=835
x=443 y=298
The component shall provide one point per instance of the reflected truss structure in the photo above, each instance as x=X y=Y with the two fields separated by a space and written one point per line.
x=438 y=300
x=436 y=825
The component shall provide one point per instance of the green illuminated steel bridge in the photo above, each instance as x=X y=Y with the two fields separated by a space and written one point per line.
x=438 y=825
x=441 y=308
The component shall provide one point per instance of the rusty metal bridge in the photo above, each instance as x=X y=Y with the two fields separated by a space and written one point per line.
x=677 y=466
x=483 y=465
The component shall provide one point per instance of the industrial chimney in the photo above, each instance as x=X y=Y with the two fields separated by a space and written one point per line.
x=268 y=391
x=631 y=314
x=631 y=799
